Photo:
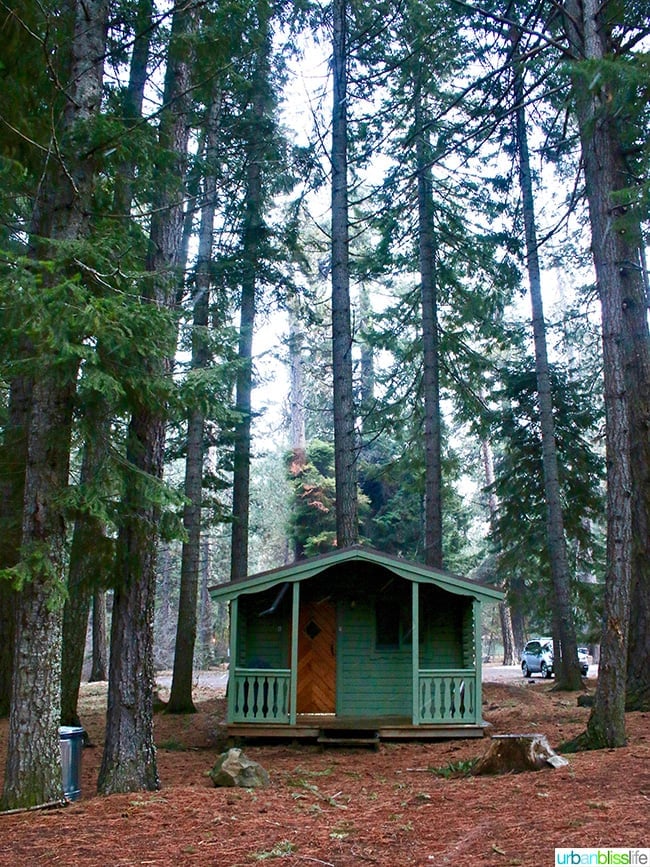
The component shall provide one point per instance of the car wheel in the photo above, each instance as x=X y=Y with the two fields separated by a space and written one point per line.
x=544 y=670
x=525 y=670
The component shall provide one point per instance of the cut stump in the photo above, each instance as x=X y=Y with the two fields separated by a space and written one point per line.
x=513 y=754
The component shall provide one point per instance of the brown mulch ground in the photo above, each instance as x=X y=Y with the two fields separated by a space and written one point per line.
x=348 y=807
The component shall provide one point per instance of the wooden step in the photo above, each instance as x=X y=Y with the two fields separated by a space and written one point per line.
x=343 y=738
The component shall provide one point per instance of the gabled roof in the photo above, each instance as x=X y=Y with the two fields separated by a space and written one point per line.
x=304 y=569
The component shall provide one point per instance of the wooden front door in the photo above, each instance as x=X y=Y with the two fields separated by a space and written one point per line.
x=317 y=658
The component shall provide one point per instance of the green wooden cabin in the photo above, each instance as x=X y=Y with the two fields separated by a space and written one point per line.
x=355 y=642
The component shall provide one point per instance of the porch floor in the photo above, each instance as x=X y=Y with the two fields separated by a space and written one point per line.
x=314 y=726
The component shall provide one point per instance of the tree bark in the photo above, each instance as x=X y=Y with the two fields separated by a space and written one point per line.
x=180 y=696
x=253 y=231
x=433 y=553
x=297 y=409
x=132 y=102
x=345 y=451
x=205 y=607
x=13 y=462
x=600 y=152
x=129 y=759
x=89 y=556
x=90 y=566
x=634 y=276
x=99 y=667
x=61 y=213
x=367 y=362
x=510 y=649
x=566 y=665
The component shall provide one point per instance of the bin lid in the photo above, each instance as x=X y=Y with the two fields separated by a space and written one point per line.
x=66 y=732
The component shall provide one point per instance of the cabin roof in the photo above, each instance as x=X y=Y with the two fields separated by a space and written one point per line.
x=304 y=569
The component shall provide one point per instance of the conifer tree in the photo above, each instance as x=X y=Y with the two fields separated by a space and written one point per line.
x=129 y=759
x=256 y=145
x=566 y=665
x=594 y=33
x=347 y=510
x=60 y=219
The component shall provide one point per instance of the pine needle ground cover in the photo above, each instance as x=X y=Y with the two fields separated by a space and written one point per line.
x=344 y=807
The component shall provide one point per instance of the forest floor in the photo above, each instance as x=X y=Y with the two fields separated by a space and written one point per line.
x=339 y=807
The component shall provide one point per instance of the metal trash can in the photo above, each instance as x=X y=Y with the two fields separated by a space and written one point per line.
x=71 y=740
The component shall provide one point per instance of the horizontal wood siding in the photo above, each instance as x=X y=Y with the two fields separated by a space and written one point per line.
x=442 y=629
x=264 y=640
x=370 y=682
x=469 y=651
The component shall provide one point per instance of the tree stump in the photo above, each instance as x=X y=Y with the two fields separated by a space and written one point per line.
x=512 y=754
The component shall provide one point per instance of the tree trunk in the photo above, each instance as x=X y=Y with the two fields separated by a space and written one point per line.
x=33 y=770
x=61 y=213
x=566 y=666
x=75 y=615
x=180 y=696
x=99 y=667
x=510 y=655
x=89 y=560
x=433 y=555
x=7 y=632
x=132 y=103
x=637 y=348
x=600 y=151
x=297 y=409
x=516 y=597
x=367 y=362
x=637 y=351
x=90 y=565
x=205 y=607
x=510 y=649
x=345 y=452
x=13 y=461
x=252 y=237
x=129 y=759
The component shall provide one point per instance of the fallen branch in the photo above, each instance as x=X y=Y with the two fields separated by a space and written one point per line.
x=49 y=805
x=315 y=860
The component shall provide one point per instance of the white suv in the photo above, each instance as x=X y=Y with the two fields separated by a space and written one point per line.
x=537 y=656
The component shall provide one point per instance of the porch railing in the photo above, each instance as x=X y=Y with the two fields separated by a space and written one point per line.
x=448 y=696
x=260 y=695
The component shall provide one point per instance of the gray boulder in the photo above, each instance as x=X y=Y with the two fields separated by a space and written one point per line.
x=234 y=768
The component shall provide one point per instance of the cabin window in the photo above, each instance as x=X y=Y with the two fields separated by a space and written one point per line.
x=387 y=619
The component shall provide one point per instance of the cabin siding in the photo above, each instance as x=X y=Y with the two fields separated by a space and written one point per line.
x=370 y=681
x=469 y=628
x=406 y=648
x=443 y=629
x=263 y=640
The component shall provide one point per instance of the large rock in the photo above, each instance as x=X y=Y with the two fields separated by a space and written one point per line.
x=509 y=754
x=233 y=768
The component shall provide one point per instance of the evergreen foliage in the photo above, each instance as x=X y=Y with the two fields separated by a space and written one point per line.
x=96 y=326
x=520 y=532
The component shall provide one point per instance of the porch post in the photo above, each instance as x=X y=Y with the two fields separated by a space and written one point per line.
x=415 y=650
x=232 y=663
x=295 y=616
x=478 y=661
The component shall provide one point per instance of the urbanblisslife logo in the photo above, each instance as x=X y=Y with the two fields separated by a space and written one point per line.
x=602 y=855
